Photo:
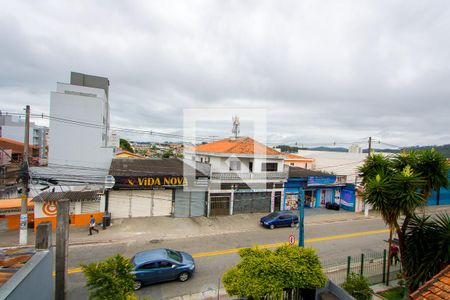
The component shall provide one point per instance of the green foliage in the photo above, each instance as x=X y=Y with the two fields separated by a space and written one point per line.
x=427 y=247
x=168 y=154
x=397 y=187
x=125 y=145
x=393 y=294
x=433 y=167
x=262 y=272
x=358 y=286
x=110 y=279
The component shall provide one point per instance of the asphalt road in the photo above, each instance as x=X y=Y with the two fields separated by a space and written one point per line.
x=331 y=241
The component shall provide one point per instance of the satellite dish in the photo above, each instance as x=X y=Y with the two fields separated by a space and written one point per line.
x=109 y=181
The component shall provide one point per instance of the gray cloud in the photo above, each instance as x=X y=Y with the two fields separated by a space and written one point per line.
x=324 y=70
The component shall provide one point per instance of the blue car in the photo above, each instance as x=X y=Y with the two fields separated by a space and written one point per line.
x=279 y=219
x=158 y=265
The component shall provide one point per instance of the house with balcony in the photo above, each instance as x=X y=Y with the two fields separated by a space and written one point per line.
x=246 y=176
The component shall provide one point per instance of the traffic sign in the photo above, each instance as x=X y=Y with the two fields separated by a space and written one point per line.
x=291 y=239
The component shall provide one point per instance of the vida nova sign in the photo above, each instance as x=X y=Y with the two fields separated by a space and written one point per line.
x=150 y=182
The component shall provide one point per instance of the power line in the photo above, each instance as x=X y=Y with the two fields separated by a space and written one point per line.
x=120 y=129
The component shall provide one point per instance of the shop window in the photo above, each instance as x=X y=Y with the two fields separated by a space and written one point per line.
x=292 y=164
x=269 y=167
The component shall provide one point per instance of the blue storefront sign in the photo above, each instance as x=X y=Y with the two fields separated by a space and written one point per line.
x=321 y=180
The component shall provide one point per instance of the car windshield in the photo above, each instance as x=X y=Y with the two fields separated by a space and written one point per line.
x=175 y=255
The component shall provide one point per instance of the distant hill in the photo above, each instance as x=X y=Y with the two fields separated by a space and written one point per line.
x=443 y=149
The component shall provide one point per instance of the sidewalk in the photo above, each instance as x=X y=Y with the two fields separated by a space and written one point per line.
x=166 y=228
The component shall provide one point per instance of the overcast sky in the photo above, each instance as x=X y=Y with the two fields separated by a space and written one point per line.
x=324 y=70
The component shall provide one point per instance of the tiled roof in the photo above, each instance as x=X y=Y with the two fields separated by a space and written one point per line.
x=154 y=167
x=297 y=172
x=436 y=288
x=11 y=260
x=71 y=195
x=15 y=146
x=298 y=157
x=241 y=145
x=125 y=154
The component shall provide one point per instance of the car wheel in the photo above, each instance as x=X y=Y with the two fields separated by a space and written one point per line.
x=137 y=285
x=183 y=276
x=272 y=226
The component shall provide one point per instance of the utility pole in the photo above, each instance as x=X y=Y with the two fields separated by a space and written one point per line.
x=62 y=239
x=24 y=206
x=366 y=206
x=301 y=217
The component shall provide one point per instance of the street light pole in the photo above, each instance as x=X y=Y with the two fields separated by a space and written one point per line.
x=301 y=217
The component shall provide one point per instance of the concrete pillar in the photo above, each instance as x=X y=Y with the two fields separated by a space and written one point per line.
x=208 y=205
x=272 y=201
x=62 y=242
x=231 y=202
x=43 y=236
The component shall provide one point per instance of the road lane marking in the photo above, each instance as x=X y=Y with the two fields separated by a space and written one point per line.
x=274 y=245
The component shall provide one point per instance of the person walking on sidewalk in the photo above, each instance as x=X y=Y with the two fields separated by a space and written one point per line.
x=92 y=225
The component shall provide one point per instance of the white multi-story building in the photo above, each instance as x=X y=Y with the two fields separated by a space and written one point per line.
x=79 y=123
x=13 y=127
x=246 y=176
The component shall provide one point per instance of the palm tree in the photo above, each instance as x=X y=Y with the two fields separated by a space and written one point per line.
x=395 y=196
x=427 y=247
x=375 y=164
x=397 y=187
x=434 y=168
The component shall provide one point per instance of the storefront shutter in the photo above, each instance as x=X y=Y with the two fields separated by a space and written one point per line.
x=119 y=204
x=162 y=202
x=88 y=207
x=197 y=204
x=181 y=203
x=141 y=203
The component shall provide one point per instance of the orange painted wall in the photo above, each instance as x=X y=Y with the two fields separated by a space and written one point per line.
x=14 y=220
x=76 y=220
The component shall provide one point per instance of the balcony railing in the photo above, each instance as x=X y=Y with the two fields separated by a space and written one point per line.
x=249 y=176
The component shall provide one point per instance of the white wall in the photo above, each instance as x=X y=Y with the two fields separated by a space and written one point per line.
x=221 y=164
x=77 y=145
x=340 y=163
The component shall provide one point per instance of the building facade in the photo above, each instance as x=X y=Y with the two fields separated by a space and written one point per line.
x=147 y=187
x=79 y=123
x=294 y=160
x=82 y=206
x=13 y=127
x=343 y=163
x=319 y=188
x=246 y=176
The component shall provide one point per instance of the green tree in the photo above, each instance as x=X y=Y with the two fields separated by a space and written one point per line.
x=125 y=145
x=427 y=247
x=168 y=154
x=261 y=272
x=433 y=168
x=397 y=187
x=358 y=286
x=110 y=279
